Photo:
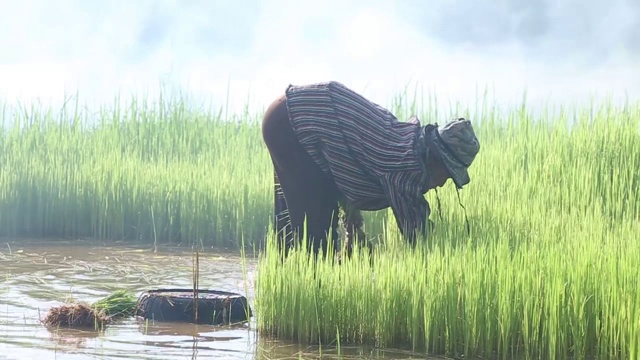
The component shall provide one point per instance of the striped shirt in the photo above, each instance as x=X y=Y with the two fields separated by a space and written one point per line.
x=372 y=157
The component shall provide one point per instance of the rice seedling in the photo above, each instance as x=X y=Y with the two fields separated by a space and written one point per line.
x=158 y=172
x=548 y=271
x=143 y=173
x=74 y=316
x=77 y=314
x=120 y=303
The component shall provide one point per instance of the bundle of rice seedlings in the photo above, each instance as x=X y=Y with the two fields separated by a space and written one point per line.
x=77 y=315
x=120 y=303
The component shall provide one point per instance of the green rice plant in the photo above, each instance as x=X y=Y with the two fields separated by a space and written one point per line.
x=141 y=172
x=548 y=271
x=120 y=303
x=161 y=172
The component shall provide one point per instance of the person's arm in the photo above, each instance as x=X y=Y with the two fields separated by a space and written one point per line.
x=409 y=205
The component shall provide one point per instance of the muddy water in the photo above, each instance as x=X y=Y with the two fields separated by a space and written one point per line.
x=37 y=275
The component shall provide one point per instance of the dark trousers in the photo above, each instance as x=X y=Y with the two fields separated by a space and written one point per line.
x=302 y=190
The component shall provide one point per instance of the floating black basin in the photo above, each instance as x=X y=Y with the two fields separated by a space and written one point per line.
x=177 y=305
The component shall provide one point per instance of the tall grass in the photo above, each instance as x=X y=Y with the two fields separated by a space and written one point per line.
x=550 y=269
x=145 y=172
x=162 y=171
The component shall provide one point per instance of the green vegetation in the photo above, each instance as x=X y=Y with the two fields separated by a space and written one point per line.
x=78 y=314
x=147 y=172
x=120 y=303
x=161 y=172
x=549 y=271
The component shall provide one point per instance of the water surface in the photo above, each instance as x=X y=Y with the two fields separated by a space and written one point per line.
x=37 y=275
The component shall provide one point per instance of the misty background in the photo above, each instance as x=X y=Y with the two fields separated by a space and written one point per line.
x=558 y=51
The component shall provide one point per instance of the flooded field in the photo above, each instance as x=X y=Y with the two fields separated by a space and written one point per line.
x=37 y=275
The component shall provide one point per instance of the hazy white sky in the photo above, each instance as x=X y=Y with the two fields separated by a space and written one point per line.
x=559 y=50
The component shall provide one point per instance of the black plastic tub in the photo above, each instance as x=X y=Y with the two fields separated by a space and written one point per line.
x=177 y=305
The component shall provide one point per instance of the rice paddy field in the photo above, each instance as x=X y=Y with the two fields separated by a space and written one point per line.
x=549 y=269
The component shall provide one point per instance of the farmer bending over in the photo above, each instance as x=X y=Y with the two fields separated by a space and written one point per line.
x=330 y=146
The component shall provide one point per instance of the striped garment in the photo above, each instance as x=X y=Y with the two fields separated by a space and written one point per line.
x=372 y=157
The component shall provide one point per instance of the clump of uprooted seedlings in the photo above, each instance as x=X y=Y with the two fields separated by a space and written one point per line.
x=120 y=303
